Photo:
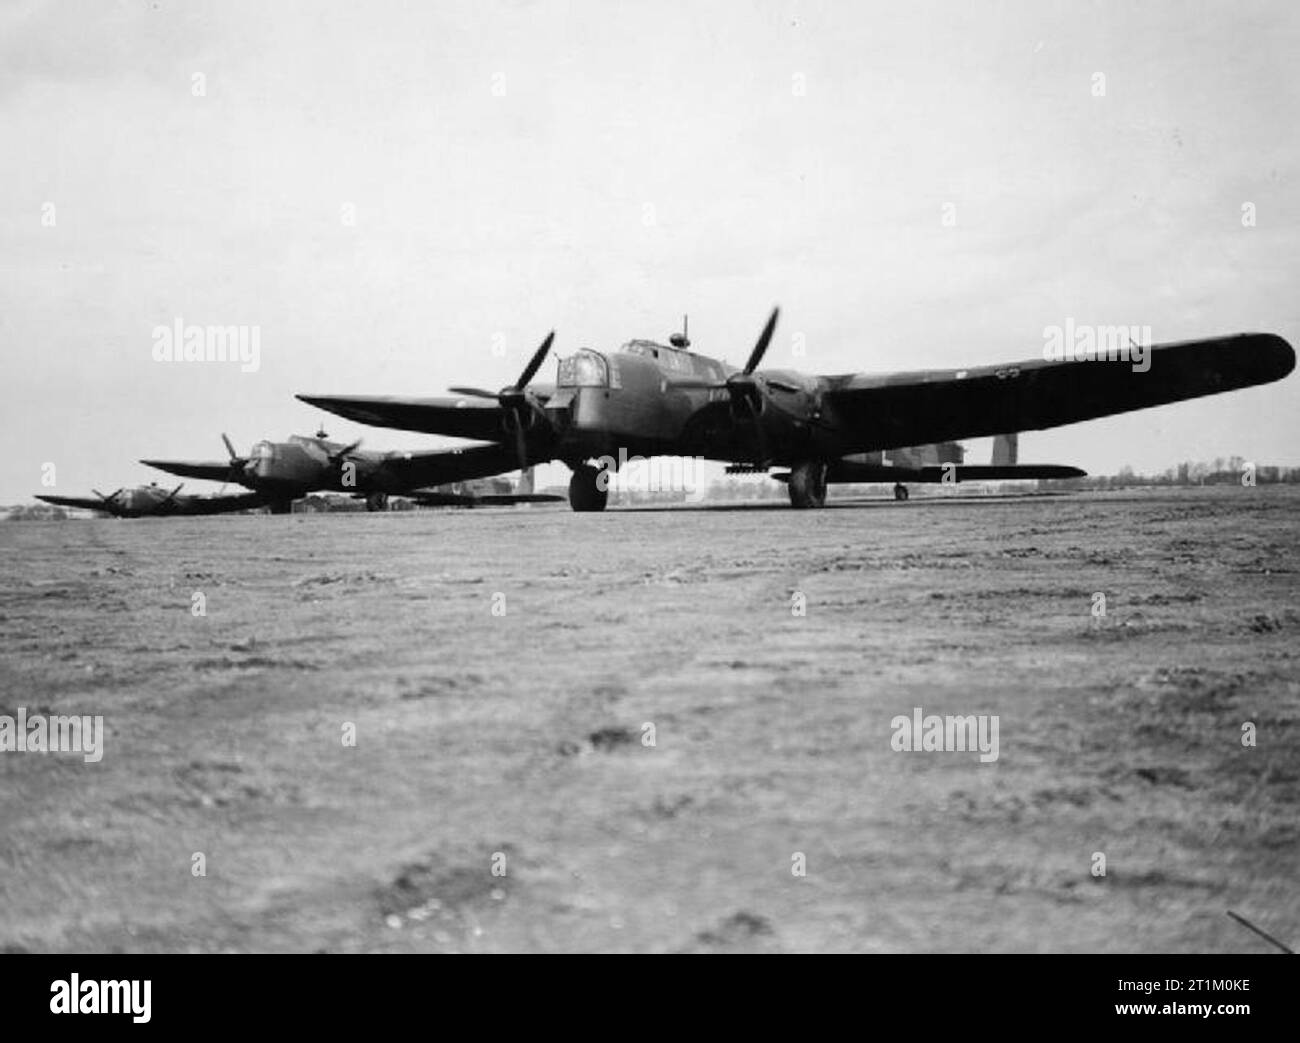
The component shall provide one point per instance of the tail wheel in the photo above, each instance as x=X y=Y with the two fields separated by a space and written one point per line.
x=808 y=484
x=585 y=492
x=900 y=492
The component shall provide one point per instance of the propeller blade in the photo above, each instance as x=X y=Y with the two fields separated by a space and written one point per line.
x=473 y=392
x=535 y=363
x=760 y=439
x=345 y=451
x=172 y=495
x=764 y=339
x=229 y=448
x=102 y=496
x=521 y=446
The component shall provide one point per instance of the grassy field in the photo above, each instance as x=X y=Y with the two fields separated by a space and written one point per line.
x=503 y=792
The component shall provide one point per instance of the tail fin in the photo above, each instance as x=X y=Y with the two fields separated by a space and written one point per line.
x=1006 y=450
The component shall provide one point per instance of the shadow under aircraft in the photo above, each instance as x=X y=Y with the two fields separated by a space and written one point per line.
x=147 y=501
x=282 y=472
x=650 y=399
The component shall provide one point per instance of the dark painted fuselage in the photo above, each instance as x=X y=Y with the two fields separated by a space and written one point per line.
x=291 y=469
x=629 y=400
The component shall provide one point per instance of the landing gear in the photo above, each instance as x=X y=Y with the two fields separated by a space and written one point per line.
x=585 y=492
x=900 y=492
x=808 y=484
x=377 y=502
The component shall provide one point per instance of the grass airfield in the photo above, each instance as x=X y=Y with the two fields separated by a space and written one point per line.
x=501 y=794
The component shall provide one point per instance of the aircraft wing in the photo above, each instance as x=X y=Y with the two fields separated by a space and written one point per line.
x=457 y=417
x=505 y=499
x=217 y=504
x=416 y=470
x=911 y=408
x=217 y=471
x=435 y=498
x=75 y=501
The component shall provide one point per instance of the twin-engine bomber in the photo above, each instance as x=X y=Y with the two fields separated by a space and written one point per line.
x=281 y=472
x=153 y=501
x=652 y=399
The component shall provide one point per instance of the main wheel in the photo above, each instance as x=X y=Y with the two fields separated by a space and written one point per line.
x=585 y=492
x=900 y=492
x=377 y=502
x=808 y=484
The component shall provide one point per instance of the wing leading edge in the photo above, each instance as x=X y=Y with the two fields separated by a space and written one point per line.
x=456 y=417
x=215 y=471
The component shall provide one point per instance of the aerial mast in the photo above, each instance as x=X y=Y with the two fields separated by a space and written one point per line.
x=683 y=339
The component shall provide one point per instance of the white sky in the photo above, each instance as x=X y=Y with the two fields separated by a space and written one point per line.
x=645 y=160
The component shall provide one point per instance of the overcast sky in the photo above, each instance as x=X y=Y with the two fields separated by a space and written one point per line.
x=602 y=168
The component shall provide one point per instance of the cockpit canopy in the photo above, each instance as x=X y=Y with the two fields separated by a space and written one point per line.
x=584 y=369
x=262 y=451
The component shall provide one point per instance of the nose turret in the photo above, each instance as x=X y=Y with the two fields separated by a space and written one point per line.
x=261 y=461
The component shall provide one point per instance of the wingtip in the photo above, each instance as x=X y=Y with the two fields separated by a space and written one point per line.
x=1269 y=357
x=1282 y=355
x=162 y=465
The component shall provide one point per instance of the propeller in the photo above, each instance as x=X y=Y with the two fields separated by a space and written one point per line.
x=744 y=382
x=237 y=462
x=171 y=495
x=745 y=388
x=342 y=454
x=110 y=502
x=519 y=406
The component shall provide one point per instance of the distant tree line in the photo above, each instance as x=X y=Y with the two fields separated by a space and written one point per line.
x=1232 y=471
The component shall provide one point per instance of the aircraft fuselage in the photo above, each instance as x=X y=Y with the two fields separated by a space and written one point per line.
x=630 y=400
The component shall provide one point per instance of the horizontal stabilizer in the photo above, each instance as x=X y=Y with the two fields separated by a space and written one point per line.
x=433 y=498
x=842 y=471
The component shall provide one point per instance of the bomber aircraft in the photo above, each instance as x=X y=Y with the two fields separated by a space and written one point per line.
x=285 y=471
x=153 y=500
x=654 y=399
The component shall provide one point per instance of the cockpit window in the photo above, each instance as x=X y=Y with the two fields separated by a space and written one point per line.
x=647 y=348
x=263 y=451
x=584 y=369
